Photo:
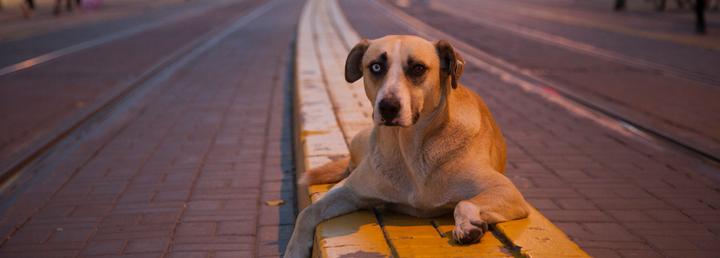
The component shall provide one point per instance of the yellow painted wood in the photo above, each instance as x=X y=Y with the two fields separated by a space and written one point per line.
x=316 y=191
x=352 y=235
x=416 y=237
x=538 y=237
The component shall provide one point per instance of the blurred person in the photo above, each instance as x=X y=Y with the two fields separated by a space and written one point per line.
x=700 y=16
x=28 y=7
x=68 y=5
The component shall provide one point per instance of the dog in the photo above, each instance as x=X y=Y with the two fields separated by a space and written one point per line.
x=434 y=147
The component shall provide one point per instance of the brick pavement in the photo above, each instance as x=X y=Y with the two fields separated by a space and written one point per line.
x=614 y=194
x=70 y=87
x=184 y=173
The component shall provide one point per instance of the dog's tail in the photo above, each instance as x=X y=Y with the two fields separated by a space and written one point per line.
x=331 y=172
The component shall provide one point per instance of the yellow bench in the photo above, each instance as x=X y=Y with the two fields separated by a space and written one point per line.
x=381 y=234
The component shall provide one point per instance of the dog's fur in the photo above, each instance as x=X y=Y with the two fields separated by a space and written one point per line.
x=434 y=148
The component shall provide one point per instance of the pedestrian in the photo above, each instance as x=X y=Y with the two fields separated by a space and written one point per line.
x=68 y=6
x=700 y=16
x=619 y=5
x=28 y=7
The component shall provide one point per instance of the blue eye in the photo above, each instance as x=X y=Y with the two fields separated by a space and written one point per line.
x=376 y=68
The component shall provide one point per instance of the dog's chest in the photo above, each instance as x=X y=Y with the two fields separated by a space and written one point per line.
x=426 y=201
x=423 y=205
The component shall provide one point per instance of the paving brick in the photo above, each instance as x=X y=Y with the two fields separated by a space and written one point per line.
x=578 y=216
x=91 y=210
x=223 y=254
x=575 y=204
x=171 y=195
x=275 y=233
x=205 y=205
x=71 y=234
x=274 y=215
x=670 y=242
x=630 y=215
x=45 y=247
x=704 y=215
x=639 y=253
x=106 y=247
x=705 y=242
x=149 y=245
x=688 y=253
x=668 y=215
x=207 y=247
x=56 y=211
x=615 y=245
x=159 y=218
x=34 y=235
x=189 y=254
x=196 y=229
x=35 y=254
x=237 y=228
x=607 y=232
x=629 y=203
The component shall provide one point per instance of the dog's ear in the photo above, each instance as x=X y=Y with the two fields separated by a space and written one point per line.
x=353 y=64
x=451 y=63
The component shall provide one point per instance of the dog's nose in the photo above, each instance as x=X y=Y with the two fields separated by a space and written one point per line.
x=389 y=108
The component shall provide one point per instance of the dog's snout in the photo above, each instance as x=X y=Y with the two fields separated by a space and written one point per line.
x=389 y=108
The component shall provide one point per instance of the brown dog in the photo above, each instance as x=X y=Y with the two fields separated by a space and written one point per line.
x=434 y=147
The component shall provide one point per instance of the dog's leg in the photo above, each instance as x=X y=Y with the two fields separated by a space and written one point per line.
x=338 y=201
x=497 y=203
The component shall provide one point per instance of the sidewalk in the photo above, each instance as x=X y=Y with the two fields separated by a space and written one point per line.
x=614 y=193
x=184 y=171
x=76 y=84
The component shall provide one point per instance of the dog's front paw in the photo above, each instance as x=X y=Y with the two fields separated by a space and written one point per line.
x=469 y=232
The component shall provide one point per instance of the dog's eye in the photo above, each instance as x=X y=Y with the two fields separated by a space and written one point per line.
x=376 y=68
x=417 y=70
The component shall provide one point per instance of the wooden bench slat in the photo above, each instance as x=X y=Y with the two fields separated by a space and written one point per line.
x=538 y=237
x=417 y=237
x=352 y=235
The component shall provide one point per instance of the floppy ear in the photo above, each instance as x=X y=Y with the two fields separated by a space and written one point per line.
x=353 y=64
x=451 y=63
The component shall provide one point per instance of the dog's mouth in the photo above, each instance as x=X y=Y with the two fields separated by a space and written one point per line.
x=390 y=123
x=394 y=122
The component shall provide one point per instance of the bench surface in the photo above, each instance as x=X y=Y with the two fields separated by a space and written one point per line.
x=373 y=233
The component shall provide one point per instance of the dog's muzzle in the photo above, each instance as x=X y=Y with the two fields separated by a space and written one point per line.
x=389 y=109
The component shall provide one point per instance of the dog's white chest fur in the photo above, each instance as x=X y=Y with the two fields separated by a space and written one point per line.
x=415 y=193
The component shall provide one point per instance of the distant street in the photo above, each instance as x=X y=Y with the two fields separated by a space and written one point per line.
x=164 y=129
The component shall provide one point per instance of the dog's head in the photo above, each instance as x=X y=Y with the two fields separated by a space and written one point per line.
x=405 y=76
